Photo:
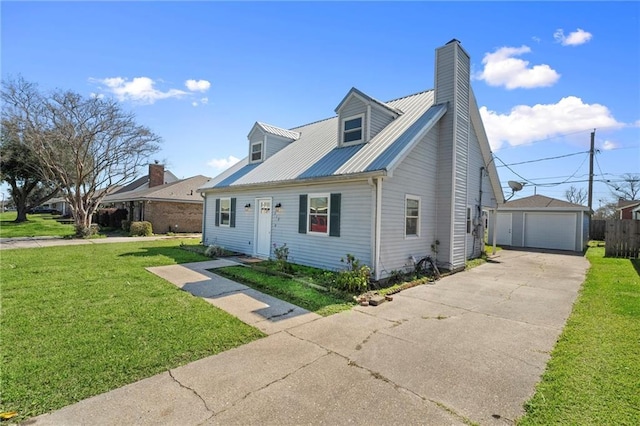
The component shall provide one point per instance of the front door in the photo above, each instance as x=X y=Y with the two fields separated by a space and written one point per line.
x=263 y=227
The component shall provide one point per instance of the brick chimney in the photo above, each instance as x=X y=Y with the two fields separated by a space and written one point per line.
x=156 y=175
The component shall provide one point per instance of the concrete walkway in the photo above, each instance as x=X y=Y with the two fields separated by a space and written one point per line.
x=260 y=310
x=469 y=348
x=34 y=242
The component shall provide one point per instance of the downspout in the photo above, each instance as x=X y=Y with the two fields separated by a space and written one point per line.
x=204 y=214
x=477 y=227
x=378 y=231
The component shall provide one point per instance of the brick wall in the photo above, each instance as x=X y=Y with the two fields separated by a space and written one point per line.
x=156 y=175
x=164 y=216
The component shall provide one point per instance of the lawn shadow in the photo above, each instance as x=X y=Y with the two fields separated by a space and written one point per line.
x=636 y=265
x=176 y=253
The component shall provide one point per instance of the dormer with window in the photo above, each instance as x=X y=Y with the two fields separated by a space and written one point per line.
x=265 y=140
x=362 y=117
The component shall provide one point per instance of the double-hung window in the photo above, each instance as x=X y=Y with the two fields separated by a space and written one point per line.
x=225 y=211
x=318 y=214
x=411 y=216
x=352 y=128
x=256 y=152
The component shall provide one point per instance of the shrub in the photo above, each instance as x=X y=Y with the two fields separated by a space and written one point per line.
x=354 y=279
x=83 y=232
x=140 y=229
x=282 y=256
x=214 y=251
x=126 y=225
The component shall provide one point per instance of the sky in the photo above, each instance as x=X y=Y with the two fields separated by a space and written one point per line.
x=200 y=74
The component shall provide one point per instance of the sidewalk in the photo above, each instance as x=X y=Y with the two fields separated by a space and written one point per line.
x=260 y=310
x=33 y=242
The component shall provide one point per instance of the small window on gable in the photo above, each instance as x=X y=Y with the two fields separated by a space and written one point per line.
x=352 y=128
x=412 y=216
x=256 y=152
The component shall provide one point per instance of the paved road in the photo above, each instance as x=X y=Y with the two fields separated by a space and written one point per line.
x=469 y=348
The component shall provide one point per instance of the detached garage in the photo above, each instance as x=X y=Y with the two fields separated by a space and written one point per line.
x=542 y=222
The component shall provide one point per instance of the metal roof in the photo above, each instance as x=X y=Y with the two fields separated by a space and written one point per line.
x=316 y=154
x=277 y=131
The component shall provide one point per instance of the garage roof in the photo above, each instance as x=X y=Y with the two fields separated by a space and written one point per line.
x=541 y=202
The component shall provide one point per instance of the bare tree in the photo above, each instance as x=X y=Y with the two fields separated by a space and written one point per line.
x=87 y=145
x=576 y=195
x=629 y=189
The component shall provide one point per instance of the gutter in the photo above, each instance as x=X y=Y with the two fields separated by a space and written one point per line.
x=296 y=182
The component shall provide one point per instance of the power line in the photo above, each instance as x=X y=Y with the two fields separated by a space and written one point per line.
x=544 y=159
x=544 y=184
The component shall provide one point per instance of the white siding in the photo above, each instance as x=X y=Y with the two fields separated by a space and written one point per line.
x=452 y=86
x=415 y=176
x=379 y=120
x=319 y=251
x=274 y=144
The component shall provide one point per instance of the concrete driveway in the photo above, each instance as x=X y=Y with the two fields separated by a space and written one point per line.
x=469 y=348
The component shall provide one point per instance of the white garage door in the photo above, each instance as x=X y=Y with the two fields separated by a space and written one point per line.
x=550 y=230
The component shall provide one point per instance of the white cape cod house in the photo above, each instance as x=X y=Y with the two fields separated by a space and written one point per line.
x=384 y=181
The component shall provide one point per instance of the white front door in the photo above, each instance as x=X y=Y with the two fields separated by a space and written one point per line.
x=503 y=229
x=263 y=227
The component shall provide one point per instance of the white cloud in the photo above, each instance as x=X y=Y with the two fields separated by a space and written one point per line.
x=502 y=68
x=525 y=124
x=194 y=103
x=139 y=89
x=197 y=85
x=536 y=39
x=204 y=101
x=223 y=163
x=608 y=145
x=575 y=38
x=97 y=95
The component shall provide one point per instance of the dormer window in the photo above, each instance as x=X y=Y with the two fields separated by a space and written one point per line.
x=256 y=152
x=352 y=129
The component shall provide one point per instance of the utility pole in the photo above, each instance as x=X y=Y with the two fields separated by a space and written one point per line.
x=591 y=154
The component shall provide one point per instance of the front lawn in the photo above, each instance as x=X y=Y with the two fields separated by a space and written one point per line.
x=291 y=290
x=38 y=225
x=593 y=377
x=82 y=320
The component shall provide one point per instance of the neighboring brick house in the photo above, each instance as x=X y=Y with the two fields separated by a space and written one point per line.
x=628 y=209
x=171 y=205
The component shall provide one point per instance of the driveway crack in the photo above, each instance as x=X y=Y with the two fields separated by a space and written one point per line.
x=213 y=413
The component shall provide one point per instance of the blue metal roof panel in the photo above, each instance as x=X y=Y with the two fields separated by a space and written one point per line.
x=331 y=162
x=426 y=120
x=237 y=175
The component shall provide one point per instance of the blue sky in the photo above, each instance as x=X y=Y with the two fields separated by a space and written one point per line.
x=200 y=74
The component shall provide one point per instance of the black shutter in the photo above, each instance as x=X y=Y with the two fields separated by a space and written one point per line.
x=334 y=221
x=217 y=211
x=232 y=216
x=302 y=215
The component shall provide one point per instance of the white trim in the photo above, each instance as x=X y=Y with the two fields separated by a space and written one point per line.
x=418 y=199
x=362 y=116
x=368 y=122
x=262 y=150
x=228 y=225
x=319 y=195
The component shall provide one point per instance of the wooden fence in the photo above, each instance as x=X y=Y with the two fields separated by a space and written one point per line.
x=597 y=229
x=622 y=238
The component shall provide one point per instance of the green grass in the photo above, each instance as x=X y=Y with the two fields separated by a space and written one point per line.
x=81 y=320
x=321 y=302
x=593 y=377
x=38 y=225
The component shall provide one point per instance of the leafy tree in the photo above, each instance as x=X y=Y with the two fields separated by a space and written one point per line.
x=576 y=195
x=18 y=167
x=87 y=145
